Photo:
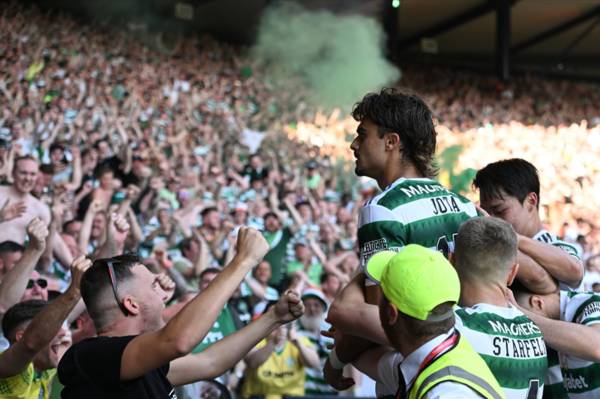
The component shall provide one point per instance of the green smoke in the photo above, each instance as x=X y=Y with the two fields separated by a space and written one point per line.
x=339 y=58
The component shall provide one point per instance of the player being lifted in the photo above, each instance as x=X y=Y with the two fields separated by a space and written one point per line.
x=395 y=145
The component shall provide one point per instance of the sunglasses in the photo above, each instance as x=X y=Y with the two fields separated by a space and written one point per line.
x=40 y=282
x=113 y=283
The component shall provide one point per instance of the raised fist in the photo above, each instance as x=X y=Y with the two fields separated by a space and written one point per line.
x=251 y=245
x=78 y=267
x=38 y=232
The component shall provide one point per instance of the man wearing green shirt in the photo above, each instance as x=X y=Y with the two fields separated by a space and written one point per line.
x=278 y=238
x=304 y=266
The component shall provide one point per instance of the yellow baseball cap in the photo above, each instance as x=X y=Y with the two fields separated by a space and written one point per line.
x=415 y=280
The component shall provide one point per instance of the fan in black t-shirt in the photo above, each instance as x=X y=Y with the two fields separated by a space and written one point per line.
x=136 y=355
x=91 y=370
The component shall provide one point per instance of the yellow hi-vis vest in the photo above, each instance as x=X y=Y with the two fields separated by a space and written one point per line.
x=463 y=365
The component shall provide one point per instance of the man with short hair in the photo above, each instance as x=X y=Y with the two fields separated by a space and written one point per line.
x=510 y=190
x=570 y=322
x=278 y=237
x=214 y=234
x=10 y=253
x=430 y=358
x=509 y=342
x=37 y=288
x=15 y=283
x=37 y=340
x=20 y=207
x=125 y=301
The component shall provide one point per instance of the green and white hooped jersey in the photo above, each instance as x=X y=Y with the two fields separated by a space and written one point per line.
x=510 y=343
x=549 y=238
x=411 y=211
x=581 y=377
x=315 y=384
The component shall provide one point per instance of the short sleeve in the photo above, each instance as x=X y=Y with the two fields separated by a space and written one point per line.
x=95 y=360
x=379 y=230
x=589 y=313
x=568 y=248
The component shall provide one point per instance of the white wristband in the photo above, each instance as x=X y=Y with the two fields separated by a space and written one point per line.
x=335 y=361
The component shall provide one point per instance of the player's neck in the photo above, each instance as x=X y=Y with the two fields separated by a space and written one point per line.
x=553 y=306
x=473 y=293
x=391 y=174
x=536 y=226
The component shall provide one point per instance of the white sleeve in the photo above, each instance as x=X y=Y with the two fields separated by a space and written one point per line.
x=451 y=390
x=387 y=370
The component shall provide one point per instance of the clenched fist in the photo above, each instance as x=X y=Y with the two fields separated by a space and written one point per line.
x=251 y=245
x=78 y=267
x=289 y=307
x=38 y=232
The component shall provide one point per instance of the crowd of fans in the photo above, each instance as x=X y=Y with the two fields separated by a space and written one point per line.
x=114 y=147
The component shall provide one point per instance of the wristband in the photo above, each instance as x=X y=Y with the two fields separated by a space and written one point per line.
x=335 y=361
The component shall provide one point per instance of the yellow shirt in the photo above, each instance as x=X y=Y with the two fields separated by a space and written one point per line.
x=281 y=374
x=27 y=385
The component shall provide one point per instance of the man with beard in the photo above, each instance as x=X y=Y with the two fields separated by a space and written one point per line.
x=34 y=330
x=310 y=326
x=137 y=355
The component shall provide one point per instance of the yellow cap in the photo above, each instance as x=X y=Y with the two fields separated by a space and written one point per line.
x=415 y=280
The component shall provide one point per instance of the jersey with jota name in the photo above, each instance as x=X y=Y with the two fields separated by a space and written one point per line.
x=411 y=211
x=510 y=343
x=581 y=377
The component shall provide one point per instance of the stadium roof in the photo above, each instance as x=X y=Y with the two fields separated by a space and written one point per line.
x=560 y=36
x=550 y=36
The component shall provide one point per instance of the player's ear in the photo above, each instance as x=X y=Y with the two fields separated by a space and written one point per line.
x=537 y=303
x=531 y=202
x=512 y=274
x=392 y=140
x=392 y=314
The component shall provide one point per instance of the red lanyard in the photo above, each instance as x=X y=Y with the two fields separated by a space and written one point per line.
x=447 y=345
x=439 y=350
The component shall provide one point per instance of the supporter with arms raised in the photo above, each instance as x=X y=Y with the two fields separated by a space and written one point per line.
x=125 y=301
x=16 y=280
x=34 y=329
x=510 y=190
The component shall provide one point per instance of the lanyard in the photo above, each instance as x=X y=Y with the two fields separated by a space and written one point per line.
x=447 y=345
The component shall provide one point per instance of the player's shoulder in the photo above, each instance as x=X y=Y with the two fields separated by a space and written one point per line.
x=547 y=237
x=403 y=191
x=580 y=305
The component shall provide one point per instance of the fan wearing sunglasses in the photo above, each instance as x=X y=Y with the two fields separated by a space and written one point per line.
x=37 y=339
x=137 y=355
x=37 y=288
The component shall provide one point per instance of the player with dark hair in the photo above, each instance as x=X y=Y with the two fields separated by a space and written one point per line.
x=510 y=190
